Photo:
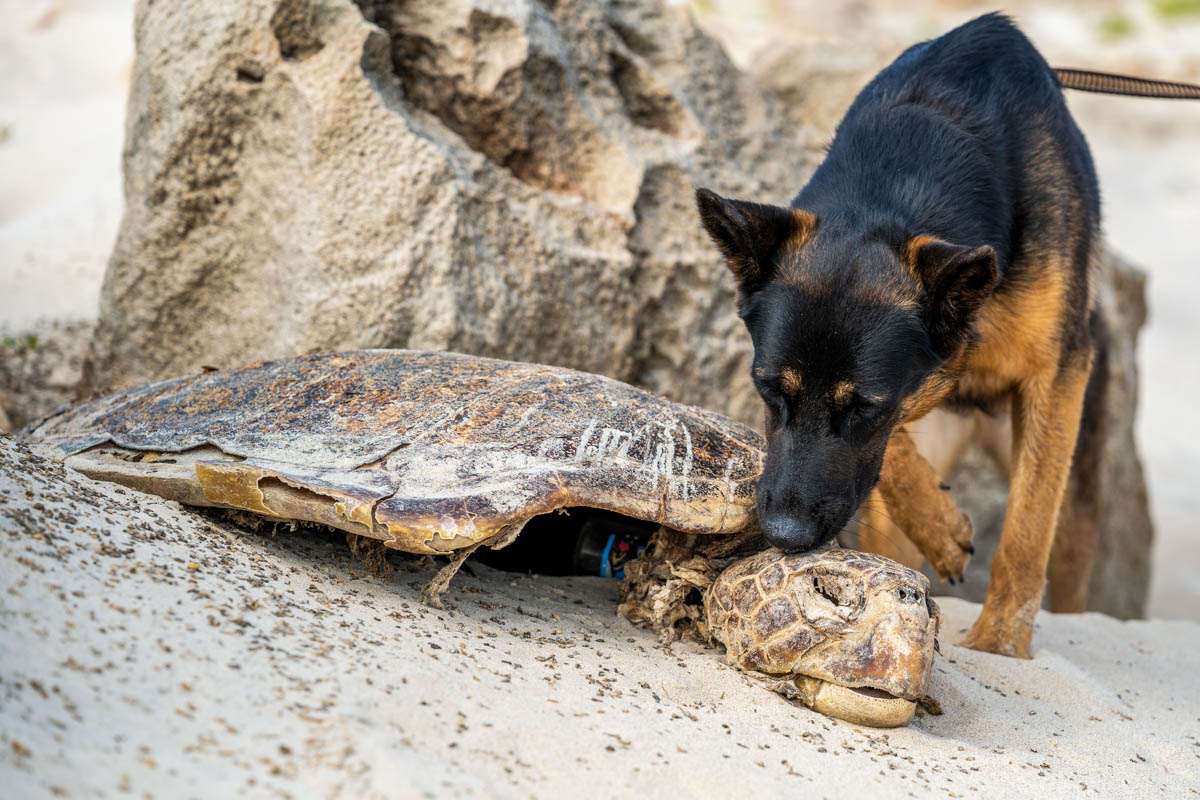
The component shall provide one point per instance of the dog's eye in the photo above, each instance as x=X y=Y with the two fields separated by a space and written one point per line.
x=861 y=418
x=866 y=411
x=773 y=399
x=775 y=402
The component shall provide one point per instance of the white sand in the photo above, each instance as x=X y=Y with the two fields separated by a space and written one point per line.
x=64 y=73
x=144 y=648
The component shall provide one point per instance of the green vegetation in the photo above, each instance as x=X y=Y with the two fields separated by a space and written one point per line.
x=1116 y=26
x=1170 y=9
x=5 y=133
x=21 y=344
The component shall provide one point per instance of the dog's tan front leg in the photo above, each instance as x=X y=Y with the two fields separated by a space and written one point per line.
x=1045 y=415
x=926 y=512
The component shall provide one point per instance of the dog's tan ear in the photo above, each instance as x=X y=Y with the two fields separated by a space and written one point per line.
x=751 y=235
x=957 y=279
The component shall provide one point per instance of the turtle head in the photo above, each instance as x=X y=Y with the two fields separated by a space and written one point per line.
x=852 y=619
x=853 y=334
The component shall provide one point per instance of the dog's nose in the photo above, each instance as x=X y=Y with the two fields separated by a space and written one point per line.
x=790 y=534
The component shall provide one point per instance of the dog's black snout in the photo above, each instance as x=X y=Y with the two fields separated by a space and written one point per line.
x=790 y=533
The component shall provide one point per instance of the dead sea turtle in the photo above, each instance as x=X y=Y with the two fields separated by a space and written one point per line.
x=441 y=452
x=849 y=634
x=428 y=452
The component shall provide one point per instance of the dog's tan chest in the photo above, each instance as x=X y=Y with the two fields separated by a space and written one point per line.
x=1019 y=336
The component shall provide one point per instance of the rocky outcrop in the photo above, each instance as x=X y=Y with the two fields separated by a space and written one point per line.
x=508 y=179
x=511 y=179
x=1121 y=574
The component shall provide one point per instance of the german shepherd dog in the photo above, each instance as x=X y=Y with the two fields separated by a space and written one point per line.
x=942 y=256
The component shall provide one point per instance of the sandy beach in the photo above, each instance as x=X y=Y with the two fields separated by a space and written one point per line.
x=153 y=650
x=65 y=68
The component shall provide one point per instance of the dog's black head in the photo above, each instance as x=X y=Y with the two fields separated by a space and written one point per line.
x=850 y=335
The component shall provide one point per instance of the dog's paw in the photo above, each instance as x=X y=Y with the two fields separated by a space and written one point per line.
x=991 y=635
x=952 y=552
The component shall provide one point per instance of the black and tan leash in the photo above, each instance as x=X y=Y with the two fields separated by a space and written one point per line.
x=1086 y=80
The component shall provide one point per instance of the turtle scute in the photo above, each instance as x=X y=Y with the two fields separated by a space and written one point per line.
x=850 y=634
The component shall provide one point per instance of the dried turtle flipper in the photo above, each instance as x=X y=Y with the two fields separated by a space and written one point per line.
x=849 y=634
x=663 y=587
x=428 y=452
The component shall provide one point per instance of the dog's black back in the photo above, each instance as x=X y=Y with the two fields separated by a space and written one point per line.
x=950 y=140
